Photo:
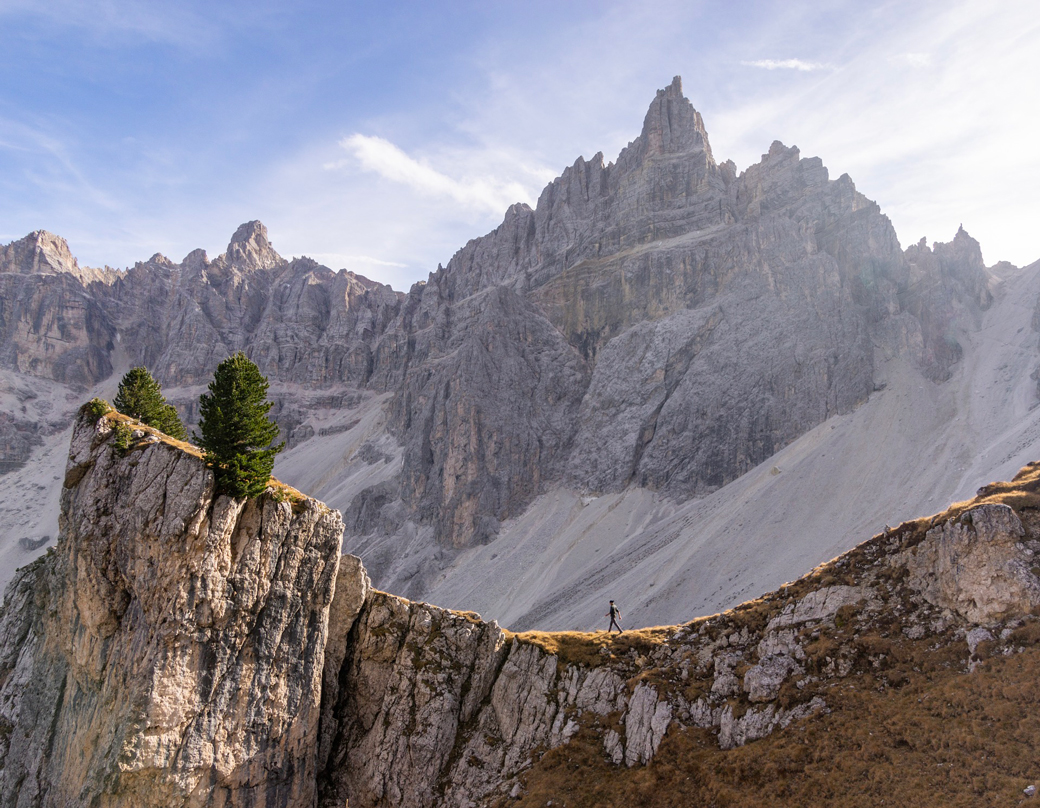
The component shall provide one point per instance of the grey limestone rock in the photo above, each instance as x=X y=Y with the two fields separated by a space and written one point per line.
x=645 y=724
x=975 y=565
x=660 y=321
x=818 y=605
x=170 y=650
x=762 y=682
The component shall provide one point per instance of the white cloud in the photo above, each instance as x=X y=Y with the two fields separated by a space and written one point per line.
x=915 y=59
x=787 y=64
x=384 y=158
x=341 y=260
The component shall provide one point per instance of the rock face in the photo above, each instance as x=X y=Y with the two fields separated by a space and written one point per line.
x=181 y=650
x=975 y=567
x=170 y=651
x=659 y=321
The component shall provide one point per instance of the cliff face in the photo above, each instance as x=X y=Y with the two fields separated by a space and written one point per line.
x=180 y=650
x=170 y=651
x=659 y=321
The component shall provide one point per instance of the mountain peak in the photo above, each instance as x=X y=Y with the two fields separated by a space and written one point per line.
x=672 y=125
x=42 y=252
x=250 y=248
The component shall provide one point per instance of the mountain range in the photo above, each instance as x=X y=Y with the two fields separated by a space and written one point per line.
x=669 y=382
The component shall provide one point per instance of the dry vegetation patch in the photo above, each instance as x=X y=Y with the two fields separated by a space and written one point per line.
x=594 y=648
x=944 y=738
x=280 y=491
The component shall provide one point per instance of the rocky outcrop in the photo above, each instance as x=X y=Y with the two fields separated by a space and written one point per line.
x=975 y=566
x=178 y=649
x=170 y=650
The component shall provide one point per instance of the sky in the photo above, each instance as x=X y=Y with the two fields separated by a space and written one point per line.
x=381 y=137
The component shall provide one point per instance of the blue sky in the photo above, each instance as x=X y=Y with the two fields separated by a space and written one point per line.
x=381 y=137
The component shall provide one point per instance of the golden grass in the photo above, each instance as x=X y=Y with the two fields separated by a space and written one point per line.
x=281 y=491
x=595 y=648
x=184 y=446
x=944 y=738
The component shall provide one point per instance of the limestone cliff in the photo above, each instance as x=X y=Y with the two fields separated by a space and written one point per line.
x=170 y=650
x=177 y=649
x=438 y=708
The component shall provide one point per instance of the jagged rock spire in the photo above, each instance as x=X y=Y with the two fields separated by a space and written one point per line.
x=42 y=252
x=672 y=125
x=39 y=251
x=250 y=248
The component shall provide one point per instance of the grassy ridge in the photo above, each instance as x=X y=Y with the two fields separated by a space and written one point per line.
x=908 y=727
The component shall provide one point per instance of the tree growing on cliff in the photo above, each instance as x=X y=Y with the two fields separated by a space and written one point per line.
x=236 y=433
x=140 y=397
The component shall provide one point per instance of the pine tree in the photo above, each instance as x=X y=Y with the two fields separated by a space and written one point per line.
x=236 y=433
x=141 y=397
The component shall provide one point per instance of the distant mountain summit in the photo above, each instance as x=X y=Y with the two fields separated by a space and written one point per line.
x=249 y=247
x=41 y=252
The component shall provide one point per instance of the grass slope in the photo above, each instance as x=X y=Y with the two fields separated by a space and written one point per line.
x=944 y=738
x=909 y=726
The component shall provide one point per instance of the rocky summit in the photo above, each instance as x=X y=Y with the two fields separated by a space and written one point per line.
x=181 y=649
x=654 y=330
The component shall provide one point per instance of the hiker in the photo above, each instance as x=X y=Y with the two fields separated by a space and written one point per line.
x=614 y=614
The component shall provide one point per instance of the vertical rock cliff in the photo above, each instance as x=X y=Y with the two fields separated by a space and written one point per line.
x=170 y=650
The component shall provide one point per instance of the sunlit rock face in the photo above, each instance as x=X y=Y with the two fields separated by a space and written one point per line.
x=170 y=650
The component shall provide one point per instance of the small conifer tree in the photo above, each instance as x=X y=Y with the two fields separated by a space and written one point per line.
x=236 y=433
x=141 y=397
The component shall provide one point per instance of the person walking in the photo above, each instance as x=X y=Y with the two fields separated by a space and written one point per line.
x=614 y=614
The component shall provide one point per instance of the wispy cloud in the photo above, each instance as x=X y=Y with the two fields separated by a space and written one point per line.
x=787 y=64
x=914 y=59
x=384 y=158
x=46 y=161
x=111 y=20
x=338 y=260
